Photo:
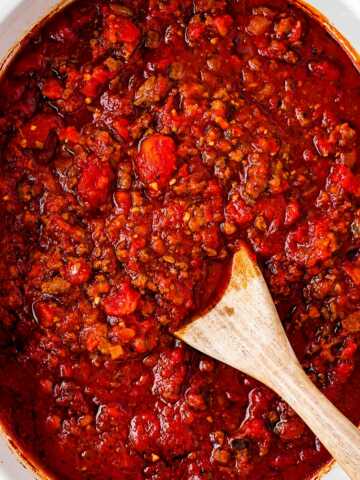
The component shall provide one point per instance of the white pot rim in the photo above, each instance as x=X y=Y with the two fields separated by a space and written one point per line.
x=17 y=19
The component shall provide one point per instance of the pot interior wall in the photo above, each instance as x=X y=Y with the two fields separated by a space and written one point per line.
x=17 y=17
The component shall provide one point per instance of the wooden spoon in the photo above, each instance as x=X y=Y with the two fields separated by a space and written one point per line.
x=245 y=332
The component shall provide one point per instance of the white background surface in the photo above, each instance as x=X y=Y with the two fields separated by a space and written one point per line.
x=16 y=16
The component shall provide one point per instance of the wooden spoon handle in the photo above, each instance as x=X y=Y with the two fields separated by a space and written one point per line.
x=244 y=331
x=340 y=437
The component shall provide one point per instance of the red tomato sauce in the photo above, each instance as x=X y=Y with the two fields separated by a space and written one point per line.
x=140 y=143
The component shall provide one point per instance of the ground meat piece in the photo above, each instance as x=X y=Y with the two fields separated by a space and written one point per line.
x=55 y=286
x=258 y=25
x=121 y=29
x=143 y=142
x=256 y=175
x=209 y=5
x=223 y=24
x=151 y=91
x=289 y=28
x=352 y=322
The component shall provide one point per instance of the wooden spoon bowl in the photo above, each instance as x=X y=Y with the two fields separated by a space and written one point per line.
x=244 y=331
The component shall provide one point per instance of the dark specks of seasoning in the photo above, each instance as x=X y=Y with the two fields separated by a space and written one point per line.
x=142 y=144
x=229 y=311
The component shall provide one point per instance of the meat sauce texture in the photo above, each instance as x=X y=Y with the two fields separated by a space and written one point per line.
x=141 y=143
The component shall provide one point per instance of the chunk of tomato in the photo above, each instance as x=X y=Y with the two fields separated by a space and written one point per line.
x=156 y=161
x=123 y=301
